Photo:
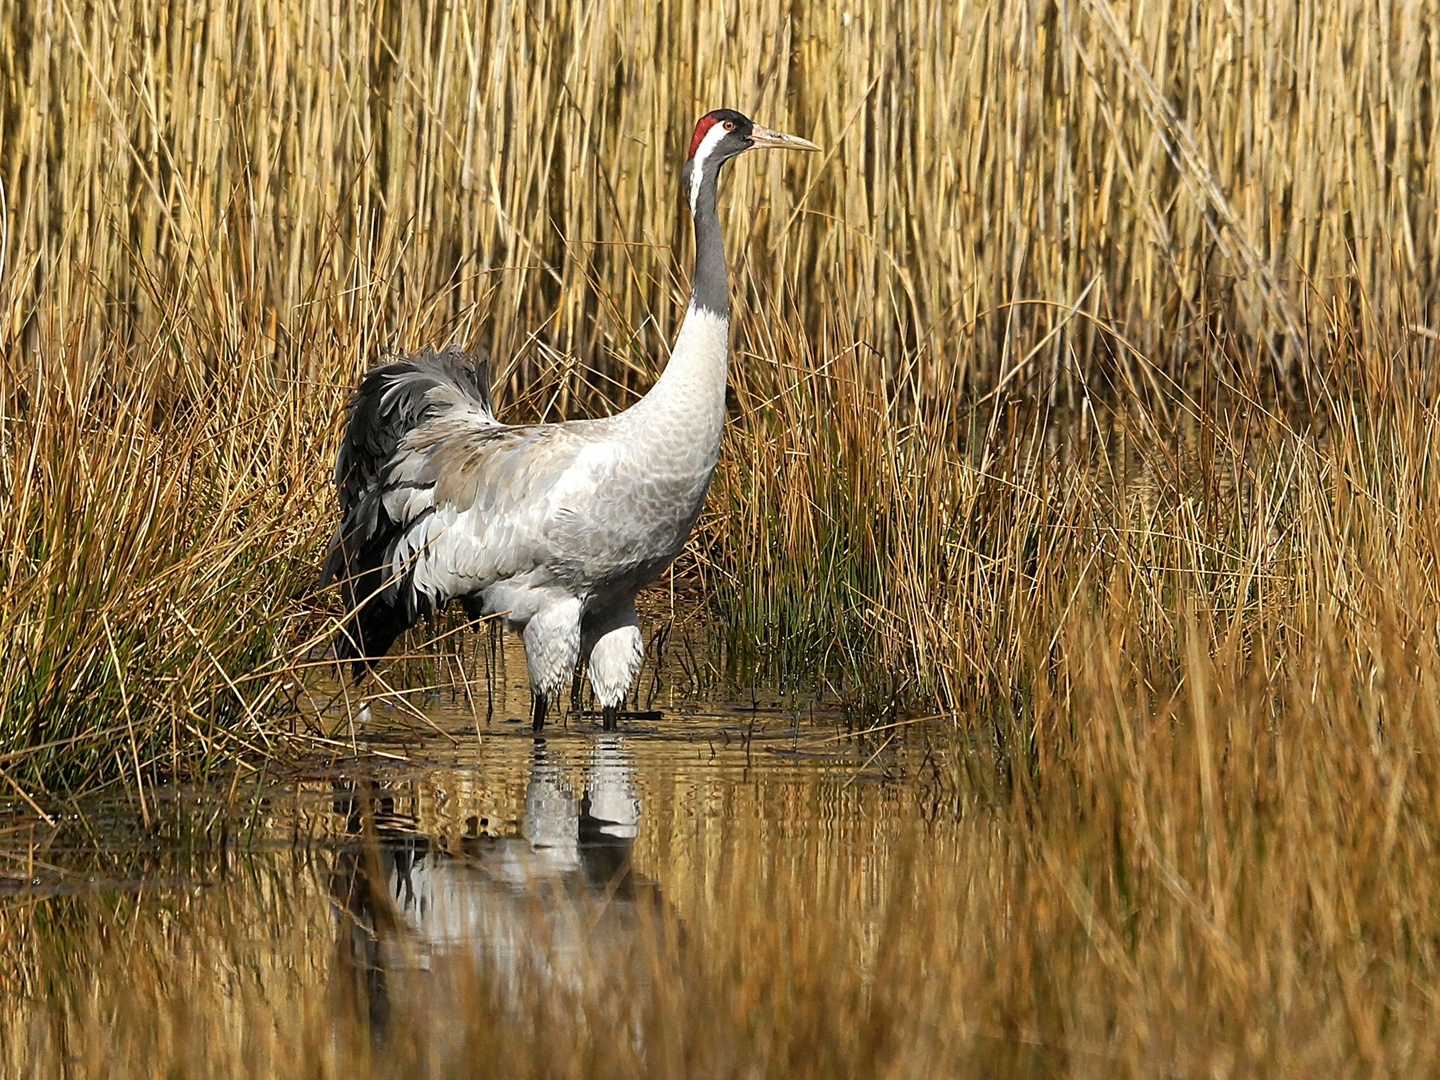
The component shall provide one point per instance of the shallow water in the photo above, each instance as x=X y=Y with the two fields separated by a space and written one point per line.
x=373 y=905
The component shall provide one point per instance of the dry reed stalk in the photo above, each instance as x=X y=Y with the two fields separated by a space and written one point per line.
x=511 y=170
x=1187 y=633
x=216 y=218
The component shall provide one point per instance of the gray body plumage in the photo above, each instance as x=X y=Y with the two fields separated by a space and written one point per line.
x=555 y=527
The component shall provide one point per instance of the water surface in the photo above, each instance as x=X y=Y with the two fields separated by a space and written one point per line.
x=463 y=887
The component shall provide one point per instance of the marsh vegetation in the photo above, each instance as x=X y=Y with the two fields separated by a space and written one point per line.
x=1084 y=401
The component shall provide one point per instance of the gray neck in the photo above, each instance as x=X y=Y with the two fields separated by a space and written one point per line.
x=710 y=291
x=689 y=396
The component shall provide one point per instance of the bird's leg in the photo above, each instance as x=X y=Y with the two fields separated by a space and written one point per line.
x=537 y=712
x=613 y=660
x=552 y=647
x=576 y=687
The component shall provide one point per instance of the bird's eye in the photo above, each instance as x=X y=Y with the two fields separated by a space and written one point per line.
x=729 y=125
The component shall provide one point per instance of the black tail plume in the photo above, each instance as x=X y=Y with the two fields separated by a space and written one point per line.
x=392 y=400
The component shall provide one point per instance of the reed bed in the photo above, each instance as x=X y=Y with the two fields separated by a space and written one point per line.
x=1084 y=394
x=1044 y=238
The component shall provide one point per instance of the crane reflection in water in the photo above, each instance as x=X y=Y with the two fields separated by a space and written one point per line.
x=552 y=903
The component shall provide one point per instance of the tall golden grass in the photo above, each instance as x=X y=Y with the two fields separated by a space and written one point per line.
x=217 y=215
x=1084 y=393
x=1097 y=346
x=508 y=173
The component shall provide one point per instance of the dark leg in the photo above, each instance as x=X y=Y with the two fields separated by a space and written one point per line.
x=610 y=718
x=537 y=713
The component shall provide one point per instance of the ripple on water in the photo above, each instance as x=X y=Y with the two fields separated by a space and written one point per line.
x=529 y=861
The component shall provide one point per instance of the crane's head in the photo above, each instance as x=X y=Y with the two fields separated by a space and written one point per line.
x=721 y=135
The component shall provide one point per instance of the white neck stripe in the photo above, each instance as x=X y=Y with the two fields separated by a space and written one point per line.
x=697 y=163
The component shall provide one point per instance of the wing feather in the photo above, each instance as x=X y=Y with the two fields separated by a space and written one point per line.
x=439 y=500
x=382 y=487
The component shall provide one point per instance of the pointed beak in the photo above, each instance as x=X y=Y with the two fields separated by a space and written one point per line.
x=761 y=137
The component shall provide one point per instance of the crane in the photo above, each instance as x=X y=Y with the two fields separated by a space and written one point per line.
x=555 y=527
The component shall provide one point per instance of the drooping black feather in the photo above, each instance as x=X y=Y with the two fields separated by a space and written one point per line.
x=392 y=400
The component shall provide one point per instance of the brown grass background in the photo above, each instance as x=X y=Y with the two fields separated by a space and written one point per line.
x=1083 y=393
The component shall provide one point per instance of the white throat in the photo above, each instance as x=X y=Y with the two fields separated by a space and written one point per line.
x=697 y=163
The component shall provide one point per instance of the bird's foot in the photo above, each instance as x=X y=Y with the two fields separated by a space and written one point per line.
x=610 y=718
